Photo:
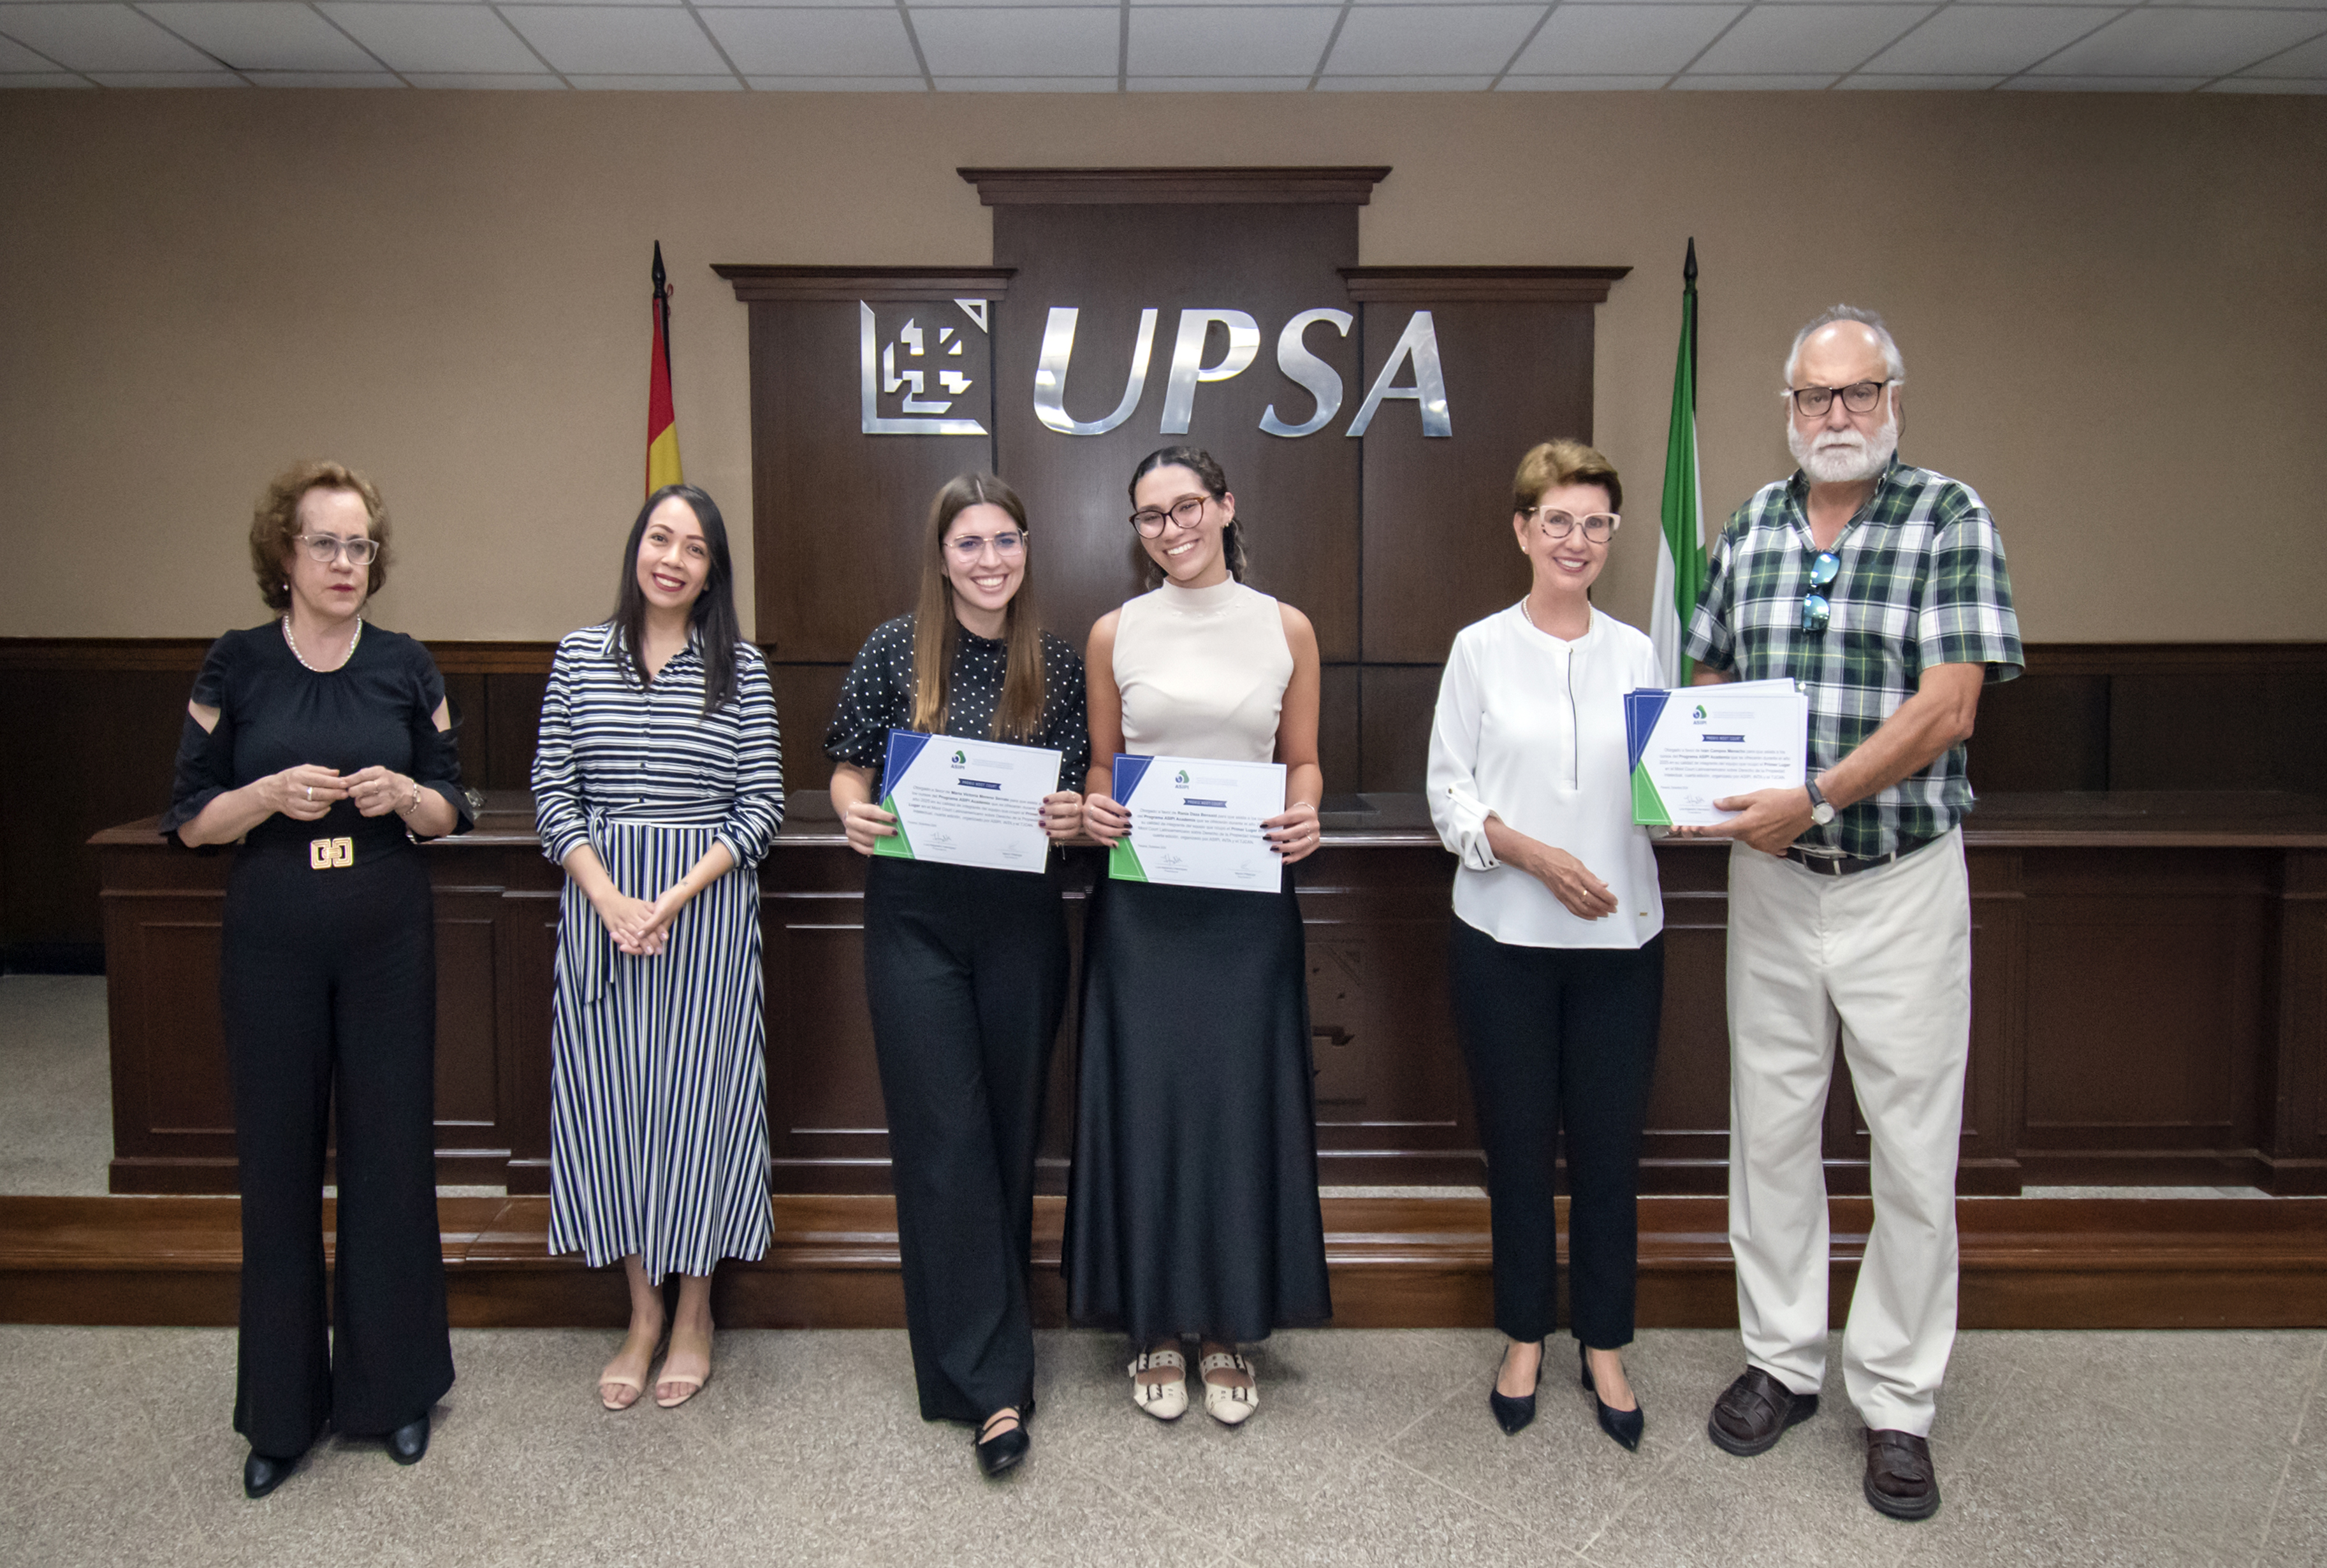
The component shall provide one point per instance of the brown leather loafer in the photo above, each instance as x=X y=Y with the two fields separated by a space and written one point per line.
x=1754 y=1413
x=1899 y=1477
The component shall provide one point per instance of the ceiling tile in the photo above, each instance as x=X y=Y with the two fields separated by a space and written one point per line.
x=837 y=84
x=1405 y=83
x=2210 y=40
x=434 y=37
x=1403 y=41
x=333 y=79
x=794 y=42
x=258 y=35
x=16 y=57
x=1932 y=83
x=2104 y=84
x=1988 y=39
x=1581 y=83
x=2252 y=84
x=1219 y=83
x=1802 y=39
x=10 y=79
x=99 y=38
x=486 y=81
x=615 y=81
x=145 y=79
x=1251 y=41
x=1590 y=39
x=2303 y=60
x=1025 y=84
x=617 y=39
x=1769 y=81
x=967 y=41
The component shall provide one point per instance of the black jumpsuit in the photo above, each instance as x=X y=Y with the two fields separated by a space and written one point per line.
x=966 y=973
x=327 y=985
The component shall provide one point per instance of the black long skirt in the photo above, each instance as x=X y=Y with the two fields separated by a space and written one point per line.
x=1192 y=1206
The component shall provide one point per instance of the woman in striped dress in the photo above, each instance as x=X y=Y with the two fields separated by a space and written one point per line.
x=657 y=785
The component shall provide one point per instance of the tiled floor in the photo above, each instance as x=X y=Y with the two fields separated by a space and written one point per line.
x=1370 y=1447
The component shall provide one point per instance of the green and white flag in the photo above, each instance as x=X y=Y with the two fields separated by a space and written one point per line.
x=1681 y=550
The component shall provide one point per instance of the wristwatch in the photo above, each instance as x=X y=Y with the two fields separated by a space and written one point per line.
x=1821 y=809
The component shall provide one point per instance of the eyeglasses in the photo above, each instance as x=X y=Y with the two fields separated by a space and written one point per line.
x=1859 y=397
x=967 y=548
x=1815 y=610
x=1597 y=526
x=1187 y=512
x=325 y=548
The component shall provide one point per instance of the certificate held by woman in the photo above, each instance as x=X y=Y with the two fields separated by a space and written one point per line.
x=1197 y=821
x=966 y=802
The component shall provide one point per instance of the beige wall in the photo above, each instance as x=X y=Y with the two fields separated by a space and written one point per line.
x=2112 y=309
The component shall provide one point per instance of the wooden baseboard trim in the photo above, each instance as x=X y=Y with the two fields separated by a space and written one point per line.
x=1395 y=1263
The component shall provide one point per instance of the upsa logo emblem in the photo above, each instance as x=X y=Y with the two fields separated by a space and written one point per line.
x=1697 y=713
x=1180 y=778
x=961 y=761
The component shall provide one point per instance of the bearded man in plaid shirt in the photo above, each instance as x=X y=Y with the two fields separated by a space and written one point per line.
x=1882 y=588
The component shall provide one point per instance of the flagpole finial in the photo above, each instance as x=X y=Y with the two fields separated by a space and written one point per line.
x=1689 y=267
x=663 y=285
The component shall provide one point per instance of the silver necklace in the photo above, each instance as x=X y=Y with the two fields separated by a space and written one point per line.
x=293 y=643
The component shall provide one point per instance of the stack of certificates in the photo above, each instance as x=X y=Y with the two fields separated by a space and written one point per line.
x=1691 y=748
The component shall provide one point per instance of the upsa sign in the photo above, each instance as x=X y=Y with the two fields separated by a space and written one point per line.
x=923 y=361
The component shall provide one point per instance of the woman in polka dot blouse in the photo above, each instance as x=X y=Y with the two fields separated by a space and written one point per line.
x=964 y=967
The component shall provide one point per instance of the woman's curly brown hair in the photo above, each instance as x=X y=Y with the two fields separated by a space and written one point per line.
x=275 y=525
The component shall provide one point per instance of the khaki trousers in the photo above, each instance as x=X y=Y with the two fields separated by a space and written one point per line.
x=1885 y=956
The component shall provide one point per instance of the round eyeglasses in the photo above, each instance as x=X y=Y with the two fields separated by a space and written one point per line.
x=967 y=548
x=1187 y=512
x=1816 y=610
x=1556 y=524
x=1859 y=397
x=325 y=548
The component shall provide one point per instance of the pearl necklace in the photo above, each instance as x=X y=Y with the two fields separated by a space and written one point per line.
x=302 y=657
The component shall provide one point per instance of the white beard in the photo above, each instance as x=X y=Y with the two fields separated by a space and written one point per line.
x=1842 y=456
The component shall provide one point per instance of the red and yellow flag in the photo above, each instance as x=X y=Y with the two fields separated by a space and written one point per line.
x=662 y=420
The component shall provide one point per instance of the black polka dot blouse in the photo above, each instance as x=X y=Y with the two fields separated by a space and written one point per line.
x=878 y=697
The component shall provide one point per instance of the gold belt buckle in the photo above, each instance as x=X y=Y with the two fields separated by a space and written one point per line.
x=331 y=854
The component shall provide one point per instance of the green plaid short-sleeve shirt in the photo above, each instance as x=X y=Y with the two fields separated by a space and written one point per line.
x=1923 y=583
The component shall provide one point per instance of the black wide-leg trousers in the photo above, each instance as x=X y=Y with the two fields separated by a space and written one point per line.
x=1561 y=1037
x=965 y=972
x=328 y=984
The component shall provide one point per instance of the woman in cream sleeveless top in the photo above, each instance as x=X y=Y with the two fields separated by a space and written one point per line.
x=1192 y=1206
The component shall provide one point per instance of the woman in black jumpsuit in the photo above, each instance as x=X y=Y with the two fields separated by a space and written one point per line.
x=964 y=967
x=325 y=747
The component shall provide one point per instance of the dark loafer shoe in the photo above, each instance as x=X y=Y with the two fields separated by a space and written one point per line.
x=1754 y=1413
x=262 y=1473
x=407 y=1443
x=1003 y=1449
x=1900 y=1481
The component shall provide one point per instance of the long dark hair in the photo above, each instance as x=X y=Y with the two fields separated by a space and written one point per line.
x=714 y=614
x=1206 y=469
x=936 y=629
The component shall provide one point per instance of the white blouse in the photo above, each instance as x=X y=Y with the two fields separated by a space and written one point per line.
x=1531 y=728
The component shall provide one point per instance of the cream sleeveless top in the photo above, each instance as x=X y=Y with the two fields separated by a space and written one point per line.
x=1202 y=672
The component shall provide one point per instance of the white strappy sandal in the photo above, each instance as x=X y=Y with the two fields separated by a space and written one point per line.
x=1164 y=1400
x=1224 y=1401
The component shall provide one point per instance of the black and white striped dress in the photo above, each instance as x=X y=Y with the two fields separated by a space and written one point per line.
x=659 y=1126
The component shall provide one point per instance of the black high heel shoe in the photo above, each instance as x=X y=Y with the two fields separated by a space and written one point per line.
x=262 y=1473
x=1513 y=1412
x=1624 y=1425
x=1005 y=1449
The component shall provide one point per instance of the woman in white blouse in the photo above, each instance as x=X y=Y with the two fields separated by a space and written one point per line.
x=1558 y=952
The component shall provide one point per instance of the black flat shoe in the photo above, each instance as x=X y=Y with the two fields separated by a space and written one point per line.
x=1512 y=1411
x=1624 y=1425
x=1005 y=1449
x=262 y=1473
x=407 y=1443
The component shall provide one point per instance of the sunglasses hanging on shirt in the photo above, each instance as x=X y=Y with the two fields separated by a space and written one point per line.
x=1816 y=610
